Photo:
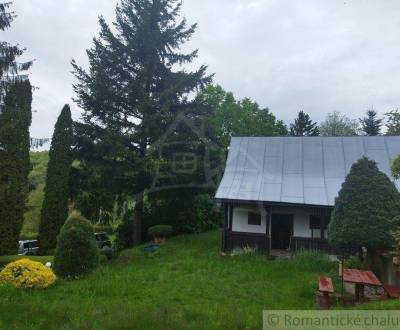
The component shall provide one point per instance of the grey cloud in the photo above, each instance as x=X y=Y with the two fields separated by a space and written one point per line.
x=288 y=55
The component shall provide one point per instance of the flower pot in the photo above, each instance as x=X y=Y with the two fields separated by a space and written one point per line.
x=159 y=240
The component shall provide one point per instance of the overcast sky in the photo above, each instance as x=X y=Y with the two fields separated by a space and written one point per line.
x=288 y=55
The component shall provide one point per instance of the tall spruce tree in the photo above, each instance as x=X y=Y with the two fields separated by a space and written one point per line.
x=15 y=120
x=304 y=126
x=10 y=70
x=55 y=204
x=370 y=124
x=135 y=88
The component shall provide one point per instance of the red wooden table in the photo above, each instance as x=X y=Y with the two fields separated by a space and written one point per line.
x=360 y=278
x=326 y=288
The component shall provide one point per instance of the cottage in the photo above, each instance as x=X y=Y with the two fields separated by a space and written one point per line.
x=279 y=192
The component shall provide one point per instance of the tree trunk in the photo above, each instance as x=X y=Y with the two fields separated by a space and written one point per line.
x=137 y=220
x=375 y=262
x=360 y=254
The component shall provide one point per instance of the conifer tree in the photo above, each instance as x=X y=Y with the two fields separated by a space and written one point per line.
x=135 y=87
x=15 y=120
x=304 y=126
x=370 y=124
x=364 y=209
x=10 y=69
x=55 y=204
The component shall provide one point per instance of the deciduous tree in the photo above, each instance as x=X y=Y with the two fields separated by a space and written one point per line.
x=393 y=122
x=239 y=117
x=337 y=124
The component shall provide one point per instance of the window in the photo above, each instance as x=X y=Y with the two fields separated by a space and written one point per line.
x=31 y=245
x=254 y=219
x=315 y=222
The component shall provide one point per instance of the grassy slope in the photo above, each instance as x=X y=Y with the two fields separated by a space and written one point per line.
x=186 y=284
x=37 y=179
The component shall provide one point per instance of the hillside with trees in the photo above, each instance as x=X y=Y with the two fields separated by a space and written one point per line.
x=37 y=181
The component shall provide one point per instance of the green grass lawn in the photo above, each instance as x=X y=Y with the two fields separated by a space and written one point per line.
x=185 y=284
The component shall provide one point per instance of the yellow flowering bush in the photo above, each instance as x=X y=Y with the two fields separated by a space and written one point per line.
x=25 y=273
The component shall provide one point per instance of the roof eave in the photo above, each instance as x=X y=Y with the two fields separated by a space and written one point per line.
x=269 y=203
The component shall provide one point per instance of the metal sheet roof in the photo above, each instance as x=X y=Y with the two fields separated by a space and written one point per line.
x=298 y=170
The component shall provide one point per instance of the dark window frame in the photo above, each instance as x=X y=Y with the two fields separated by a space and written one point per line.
x=253 y=219
x=315 y=222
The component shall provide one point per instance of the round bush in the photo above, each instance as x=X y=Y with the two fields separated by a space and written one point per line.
x=364 y=209
x=76 y=251
x=160 y=231
x=26 y=274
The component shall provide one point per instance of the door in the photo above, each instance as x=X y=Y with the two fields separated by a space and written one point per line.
x=281 y=231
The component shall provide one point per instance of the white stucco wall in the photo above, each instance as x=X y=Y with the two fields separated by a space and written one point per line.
x=301 y=221
x=240 y=220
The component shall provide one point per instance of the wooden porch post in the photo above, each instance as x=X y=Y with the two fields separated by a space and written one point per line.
x=230 y=217
x=268 y=226
x=225 y=229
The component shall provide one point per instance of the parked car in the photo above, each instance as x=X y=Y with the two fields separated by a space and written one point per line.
x=102 y=240
x=28 y=248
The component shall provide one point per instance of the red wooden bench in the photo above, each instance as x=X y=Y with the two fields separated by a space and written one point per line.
x=325 y=286
x=391 y=291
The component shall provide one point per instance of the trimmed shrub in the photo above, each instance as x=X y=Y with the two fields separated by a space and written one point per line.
x=27 y=274
x=76 y=251
x=160 y=231
x=364 y=209
x=56 y=194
